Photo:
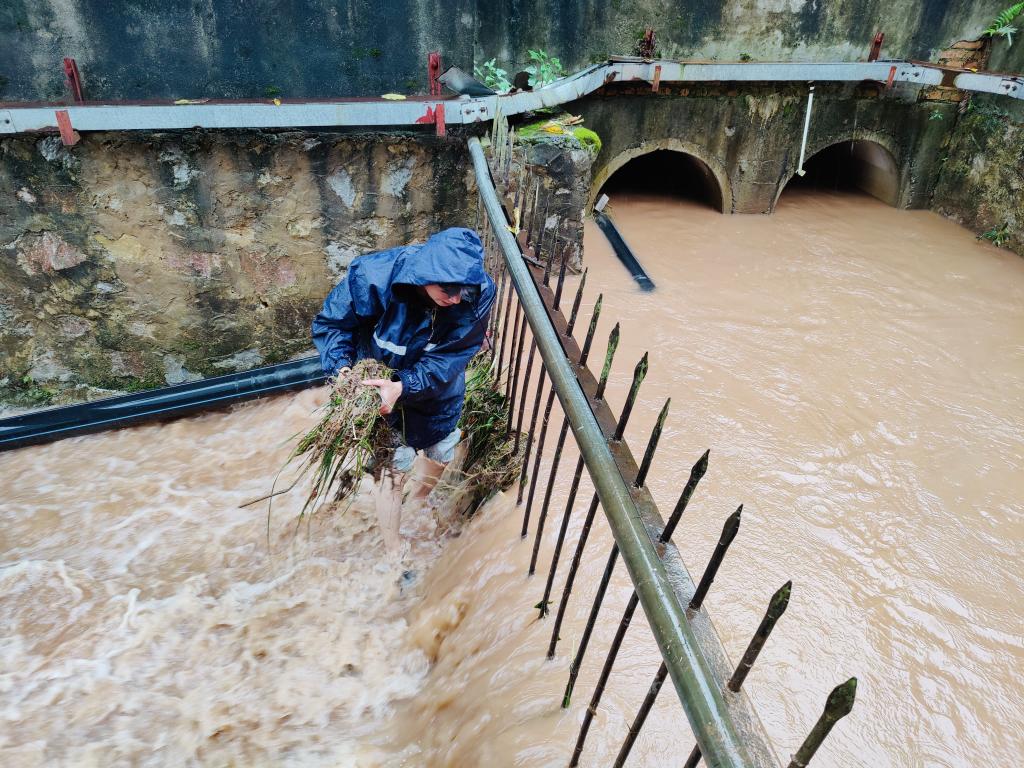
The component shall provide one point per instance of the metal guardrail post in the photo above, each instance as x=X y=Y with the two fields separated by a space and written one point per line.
x=698 y=691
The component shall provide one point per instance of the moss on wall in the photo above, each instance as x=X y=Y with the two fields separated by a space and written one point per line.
x=982 y=180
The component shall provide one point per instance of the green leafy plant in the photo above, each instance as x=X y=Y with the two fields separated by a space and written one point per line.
x=997 y=235
x=543 y=68
x=935 y=115
x=1002 y=24
x=493 y=76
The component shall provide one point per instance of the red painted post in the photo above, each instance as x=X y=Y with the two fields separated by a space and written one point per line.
x=68 y=135
x=73 y=79
x=434 y=72
x=656 y=84
x=439 y=119
x=876 y=47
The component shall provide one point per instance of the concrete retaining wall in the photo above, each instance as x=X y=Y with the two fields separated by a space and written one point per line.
x=132 y=261
x=317 y=48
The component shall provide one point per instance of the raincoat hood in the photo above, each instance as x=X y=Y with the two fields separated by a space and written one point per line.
x=453 y=255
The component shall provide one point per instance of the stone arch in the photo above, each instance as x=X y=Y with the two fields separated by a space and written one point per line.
x=714 y=167
x=879 y=160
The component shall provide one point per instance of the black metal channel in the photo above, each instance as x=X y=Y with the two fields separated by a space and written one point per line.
x=166 y=402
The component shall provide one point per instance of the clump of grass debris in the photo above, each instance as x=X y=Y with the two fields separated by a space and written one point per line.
x=350 y=439
x=491 y=463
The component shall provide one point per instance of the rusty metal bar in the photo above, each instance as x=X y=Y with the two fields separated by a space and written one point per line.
x=555 y=460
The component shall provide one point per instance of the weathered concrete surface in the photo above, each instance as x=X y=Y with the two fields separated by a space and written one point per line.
x=225 y=48
x=749 y=135
x=134 y=261
x=315 y=48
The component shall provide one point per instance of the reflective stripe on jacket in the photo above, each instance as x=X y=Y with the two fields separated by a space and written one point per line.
x=376 y=311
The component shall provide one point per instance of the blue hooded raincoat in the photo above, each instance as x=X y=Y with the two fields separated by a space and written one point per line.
x=377 y=312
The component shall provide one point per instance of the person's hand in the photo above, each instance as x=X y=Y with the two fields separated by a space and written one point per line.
x=389 y=391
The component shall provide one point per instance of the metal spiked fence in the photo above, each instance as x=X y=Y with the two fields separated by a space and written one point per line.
x=527 y=255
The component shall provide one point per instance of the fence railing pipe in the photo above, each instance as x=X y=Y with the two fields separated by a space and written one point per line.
x=699 y=694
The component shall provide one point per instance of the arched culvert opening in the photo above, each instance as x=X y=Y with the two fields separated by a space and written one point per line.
x=851 y=166
x=666 y=172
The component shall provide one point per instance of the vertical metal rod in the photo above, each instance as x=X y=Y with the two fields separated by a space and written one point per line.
x=542 y=518
x=639 y=373
x=515 y=376
x=652 y=445
x=606 y=577
x=502 y=339
x=576 y=305
x=553 y=242
x=776 y=607
x=613 y=344
x=588 y=521
x=838 y=706
x=693 y=759
x=545 y=601
x=542 y=223
x=540 y=447
x=522 y=400
x=581 y=650
x=512 y=356
x=585 y=353
x=696 y=473
x=495 y=339
x=531 y=236
x=556 y=304
x=729 y=531
x=529 y=444
x=641 y=716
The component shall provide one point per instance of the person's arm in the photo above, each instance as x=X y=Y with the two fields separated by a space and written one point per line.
x=335 y=329
x=437 y=368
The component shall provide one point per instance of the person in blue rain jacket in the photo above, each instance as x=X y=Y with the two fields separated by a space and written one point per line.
x=421 y=310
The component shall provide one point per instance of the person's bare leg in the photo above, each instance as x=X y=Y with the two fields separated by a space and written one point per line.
x=388 y=502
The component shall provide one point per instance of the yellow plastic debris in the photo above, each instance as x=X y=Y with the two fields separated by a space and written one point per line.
x=393 y=97
x=553 y=127
x=277 y=102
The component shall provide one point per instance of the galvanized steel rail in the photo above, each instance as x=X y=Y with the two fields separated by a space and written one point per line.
x=371 y=112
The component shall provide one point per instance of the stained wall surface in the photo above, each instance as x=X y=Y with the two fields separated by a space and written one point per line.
x=316 y=48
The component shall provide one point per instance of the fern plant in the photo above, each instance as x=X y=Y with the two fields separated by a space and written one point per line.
x=1002 y=25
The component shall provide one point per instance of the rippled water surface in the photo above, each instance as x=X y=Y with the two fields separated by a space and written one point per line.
x=856 y=372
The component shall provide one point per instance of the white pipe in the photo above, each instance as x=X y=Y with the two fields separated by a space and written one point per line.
x=807 y=129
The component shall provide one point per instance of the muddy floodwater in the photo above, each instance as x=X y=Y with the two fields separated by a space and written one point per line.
x=856 y=372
